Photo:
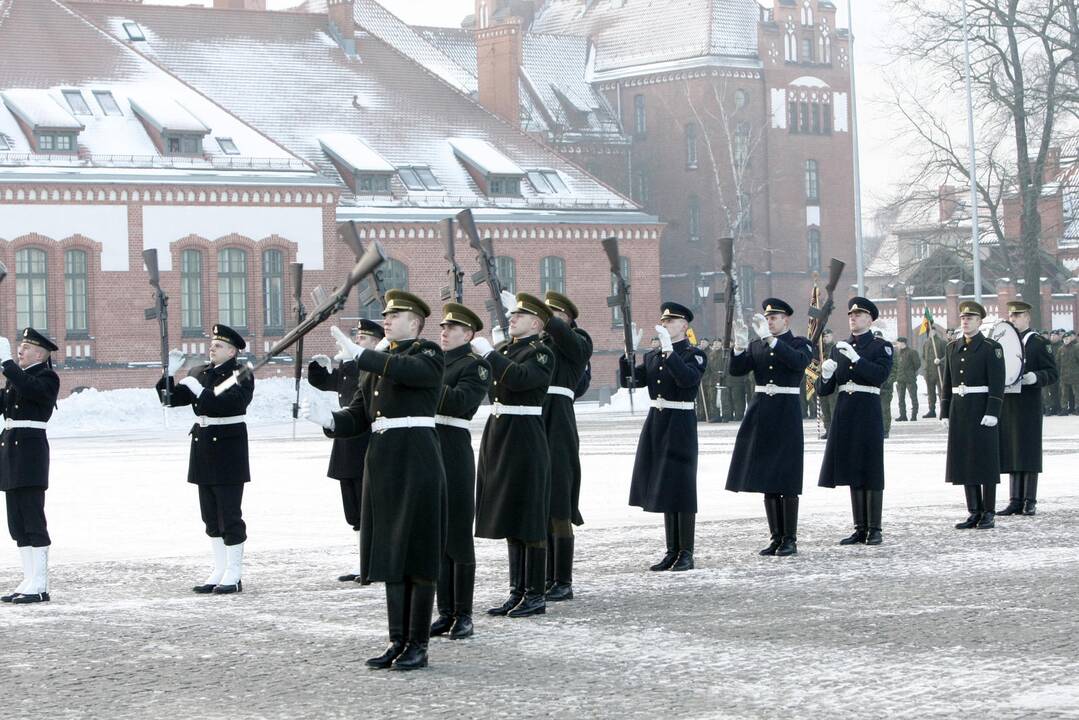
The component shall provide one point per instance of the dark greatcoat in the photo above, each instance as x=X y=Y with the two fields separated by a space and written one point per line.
x=403 y=521
x=768 y=450
x=24 y=452
x=665 y=468
x=513 y=483
x=218 y=452
x=1021 y=415
x=973 y=449
x=572 y=348
x=854 y=454
x=347 y=454
x=464 y=385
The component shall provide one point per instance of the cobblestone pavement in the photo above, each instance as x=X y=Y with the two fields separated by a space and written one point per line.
x=934 y=623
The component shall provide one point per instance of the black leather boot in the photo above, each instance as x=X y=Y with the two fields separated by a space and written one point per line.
x=562 y=587
x=517 y=579
x=534 y=601
x=1030 y=494
x=687 y=525
x=670 y=530
x=444 y=622
x=858 y=511
x=464 y=582
x=789 y=512
x=974 y=499
x=414 y=655
x=1015 y=499
x=398 y=597
x=775 y=527
x=874 y=500
x=989 y=502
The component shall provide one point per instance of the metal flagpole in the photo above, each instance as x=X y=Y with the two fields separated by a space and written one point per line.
x=858 y=249
x=974 y=240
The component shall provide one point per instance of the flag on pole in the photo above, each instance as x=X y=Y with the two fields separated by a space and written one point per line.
x=927 y=322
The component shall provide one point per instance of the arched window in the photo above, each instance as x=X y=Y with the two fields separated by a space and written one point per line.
x=506 y=270
x=694 y=218
x=616 y=311
x=31 y=289
x=232 y=288
x=807 y=49
x=812 y=182
x=814 y=250
x=76 y=294
x=807 y=13
x=639 y=121
x=395 y=275
x=790 y=45
x=741 y=145
x=273 y=291
x=553 y=274
x=191 y=293
x=691 y=145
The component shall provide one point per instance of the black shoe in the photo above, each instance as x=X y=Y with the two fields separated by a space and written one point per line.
x=874 y=537
x=856 y=538
x=788 y=547
x=464 y=582
x=1015 y=507
x=684 y=561
x=529 y=605
x=534 y=601
x=775 y=529
x=229 y=589
x=442 y=625
x=670 y=532
x=930 y=414
x=789 y=523
x=386 y=659
x=970 y=522
x=1030 y=494
x=25 y=598
x=900 y=419
x=559 y=591
x=413 y=657
x=203 y=589
x=771 y=549
x=561 y=587
x=666 y=562
x=462 y=627
x=9 y=598
x=987 y=520
x=350 y=577
x=361 y=581
x=1030 y=507
x=517 y=578
x=511 y=602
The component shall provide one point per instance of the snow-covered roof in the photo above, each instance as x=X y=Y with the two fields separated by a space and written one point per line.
x=483 y=156
x=885 y=263
x=166 y=114
x=39 y=109
x=354 y=153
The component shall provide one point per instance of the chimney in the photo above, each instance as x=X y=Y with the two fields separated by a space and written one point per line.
x=342 y=24
x=1052 y=165
x=947 y=198
x=498 y=61
x=240 y=4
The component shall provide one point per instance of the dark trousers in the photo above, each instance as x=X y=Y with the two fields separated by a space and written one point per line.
x=904 y=389
x=26 y=517
x=220 y=507
x=351 y=494
x=932 y=384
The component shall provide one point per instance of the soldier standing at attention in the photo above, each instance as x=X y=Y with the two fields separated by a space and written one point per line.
x=219 y=463
x=347 y=455
x=970 y=405
x=906 y=378
x=27 y=402
x=768 y=452
x=665 y=468
x=933 y=353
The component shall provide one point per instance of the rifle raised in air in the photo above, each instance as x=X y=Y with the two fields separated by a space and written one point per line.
x=159 y=312
x=726 y=259
x=300 y=312
x=488 y=272
x=456 y=288
x=374 y=290
x=621 y=300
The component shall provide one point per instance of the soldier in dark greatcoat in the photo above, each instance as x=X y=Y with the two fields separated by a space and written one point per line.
x=854 y=455
x=464 y=385
x=768 y=450
x=1021 y=416
x=572 y=349
x=665 y=468
x=404 y=487
x=27 y=402
x=513 y=481
x=970 y=403
x=218 y=462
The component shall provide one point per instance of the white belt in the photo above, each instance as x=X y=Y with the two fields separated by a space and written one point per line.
x=500 y=409
x=773 y=389
x=35 y=424
x=662 y=404
x=204 y=421
x=855 y=387
x=962 y=390
x=559 y=390
x=452 y=421
x=383 y=424
x=1013 y=389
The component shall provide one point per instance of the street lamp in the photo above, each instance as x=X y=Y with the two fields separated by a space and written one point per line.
x=702 y=289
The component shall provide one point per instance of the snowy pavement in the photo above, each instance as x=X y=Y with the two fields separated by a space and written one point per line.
x=934 y=623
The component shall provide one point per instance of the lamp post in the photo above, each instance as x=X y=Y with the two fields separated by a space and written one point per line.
x=703 y=289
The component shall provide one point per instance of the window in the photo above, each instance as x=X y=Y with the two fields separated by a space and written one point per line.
x=419 y=177
x=640 y=186
x=373 y=184
x=134 y=32
x=31 y=289
x=741 y=145
x=506 y=270
x=807 y=13
x=108 y=103
x=691 y=146
x=547 y=182
x=790 y=45
x=816 y=118
x=807 y=49
x=183 y=145
x=639 y=124
x=921 y=249
x=745 y=213
x=741 y=98
x=227 y=146
x=55 y=142
x=616 y=311
x=792 y=121
x=812 y=182
x=803 y=108
x=76 y=102
x=232 y=288
x=746 y=277
x=552 y=274
x=273 y=291
x=76 y=293
x=694 y=218
x=826 y=118
x=191 y=292
x=504 y=186
x=395 y=275
x=46 y=142
x=814 y=250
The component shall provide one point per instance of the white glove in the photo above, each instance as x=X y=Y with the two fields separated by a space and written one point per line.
x=317 y=414
x=1030 y=378
x=848 y=351
x=944 y=423
x=937 y=361
x=351 y=349
x=176 y=361
x=342 y=355
x=827 y=368
x=741 y=337
x=323 y=360
x=5 y=349
x=482 y=346
x=383 y=345
x=509 y=301
x=193 y=385
x=636 y=335
x=989 y=421
x=497 y=336
x=760 y=325
x=664 y=336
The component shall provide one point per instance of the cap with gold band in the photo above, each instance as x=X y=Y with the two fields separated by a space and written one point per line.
x=532 y=305
x=227 y=335
x=1018 y=306
x=561 y=303
x=969 y=307
x=370 y=328
x=458 y=314
x=861 y=304
x=675 y=310
x=31 y=336
x=401 y=301
x=773 y=306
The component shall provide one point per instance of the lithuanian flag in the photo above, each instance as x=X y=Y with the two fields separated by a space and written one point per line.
x=927 y=322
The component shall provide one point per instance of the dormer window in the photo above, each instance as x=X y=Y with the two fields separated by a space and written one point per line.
x=183 y=144
x=495 y=173
x=419 y=177
x=227 y=146
x=360 y=166
x=547 y=182
x=108 y=103
x=504 y=186
x=45 y=119
x=134 y=32
x=373 y=184
x=77 y=102
x=50 y=142
x=170 y=125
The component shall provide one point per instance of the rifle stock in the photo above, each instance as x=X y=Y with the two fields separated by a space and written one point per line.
x=374 y=289
x=621 y=299
x=488 y=272
x=296 y=275
x=726 y=259
x=456 y=288
x=820 y=315
x=159 y=312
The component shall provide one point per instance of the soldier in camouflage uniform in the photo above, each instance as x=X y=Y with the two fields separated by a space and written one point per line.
x=906 y=378
x=1068 y=362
